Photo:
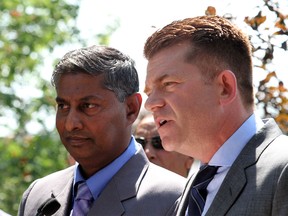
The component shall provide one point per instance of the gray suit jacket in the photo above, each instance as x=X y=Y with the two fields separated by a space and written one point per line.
x=257 y=182
x=138 y=188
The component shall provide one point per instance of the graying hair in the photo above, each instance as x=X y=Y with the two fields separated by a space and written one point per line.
x=120 y=74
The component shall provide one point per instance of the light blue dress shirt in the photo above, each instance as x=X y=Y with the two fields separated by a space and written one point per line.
x=227 y=154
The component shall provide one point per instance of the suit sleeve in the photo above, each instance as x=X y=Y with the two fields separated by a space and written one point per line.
x=280 y=201
x=24 y=199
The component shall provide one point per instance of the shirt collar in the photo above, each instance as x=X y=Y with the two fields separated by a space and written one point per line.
x=229 y=151
x=99 y=180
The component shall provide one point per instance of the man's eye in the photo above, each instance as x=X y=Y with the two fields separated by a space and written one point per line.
x=61 y=106
x=90 y=109
x=168 y=84
x=88 y=106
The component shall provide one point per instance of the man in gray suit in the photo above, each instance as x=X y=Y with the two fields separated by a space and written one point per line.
x=97 y=103
x=200 y=90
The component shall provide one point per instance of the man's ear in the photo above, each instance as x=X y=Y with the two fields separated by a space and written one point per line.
x=133 y=106
x=227 y=83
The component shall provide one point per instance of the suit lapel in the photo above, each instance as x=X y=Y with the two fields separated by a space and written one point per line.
x=57 y=189
x=229 y=191
x=183 y=203
x=123 y=186
x=236 y=179
x=108 y=203
x=63 y=193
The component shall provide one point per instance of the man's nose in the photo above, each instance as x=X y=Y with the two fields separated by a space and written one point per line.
x=153 y=102
x=73 y=121
x=150 y=152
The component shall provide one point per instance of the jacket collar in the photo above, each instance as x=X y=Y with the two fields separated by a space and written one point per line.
x=123 y=186
x=236 y=179
x=60 y=195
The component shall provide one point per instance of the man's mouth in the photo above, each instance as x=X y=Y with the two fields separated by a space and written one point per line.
x=162 y=122
x=77 y=139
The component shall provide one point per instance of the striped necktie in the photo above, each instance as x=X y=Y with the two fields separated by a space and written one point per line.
x=198 y=192
x=82 y=201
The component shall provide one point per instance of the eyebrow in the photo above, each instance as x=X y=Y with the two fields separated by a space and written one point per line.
x=158 y=80
x=58 y=99
x=87 y=98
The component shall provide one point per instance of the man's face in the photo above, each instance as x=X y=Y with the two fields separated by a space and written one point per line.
x=182 y=103
x=93 y=125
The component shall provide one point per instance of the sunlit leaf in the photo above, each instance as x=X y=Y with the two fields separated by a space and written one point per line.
x=281 y=24
x=268 y=77
x=282 y=87
x=256 y=21
x=210 y=10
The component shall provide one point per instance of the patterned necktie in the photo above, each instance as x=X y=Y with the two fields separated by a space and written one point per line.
x=82 y=201
x=198 y=192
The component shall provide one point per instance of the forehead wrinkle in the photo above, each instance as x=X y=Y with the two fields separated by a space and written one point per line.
x=90 y=97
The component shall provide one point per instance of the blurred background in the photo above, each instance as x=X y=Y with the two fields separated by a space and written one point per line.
x=35 y=34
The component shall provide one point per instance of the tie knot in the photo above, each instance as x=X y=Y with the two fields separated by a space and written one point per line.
x=205 y=175
x=198 y=191
x=83 y=192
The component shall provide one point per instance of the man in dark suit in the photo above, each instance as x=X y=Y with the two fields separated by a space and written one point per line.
x=97 y=103
x=200 y=90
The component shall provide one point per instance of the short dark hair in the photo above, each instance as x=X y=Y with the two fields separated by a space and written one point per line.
x=216 y=45
x=120 y=74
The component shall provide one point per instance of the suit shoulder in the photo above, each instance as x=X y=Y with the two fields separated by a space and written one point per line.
x=165 y=177
x=166 y=172
x=56 y=179
x=58 y=174
x=279 y=146
x=278 y=150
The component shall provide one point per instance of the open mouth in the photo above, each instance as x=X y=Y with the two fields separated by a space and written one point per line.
x=162 y=122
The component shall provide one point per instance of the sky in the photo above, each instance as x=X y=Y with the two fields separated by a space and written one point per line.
x=139 y=19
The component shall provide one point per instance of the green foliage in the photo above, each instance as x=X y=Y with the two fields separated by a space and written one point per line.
x=29 y=31
x=104 y=38
x=24 y=160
